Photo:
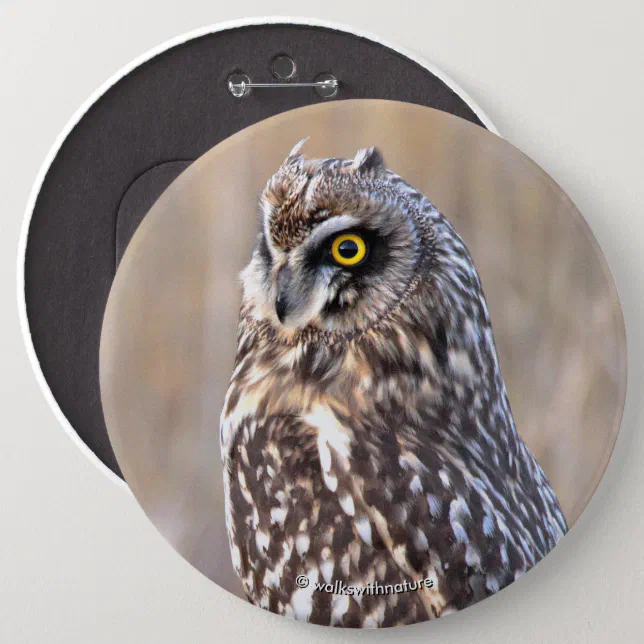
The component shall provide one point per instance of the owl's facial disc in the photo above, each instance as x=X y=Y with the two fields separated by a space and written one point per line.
x=343 y=277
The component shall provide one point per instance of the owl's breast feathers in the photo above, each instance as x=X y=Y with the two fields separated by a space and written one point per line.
x=386 y=459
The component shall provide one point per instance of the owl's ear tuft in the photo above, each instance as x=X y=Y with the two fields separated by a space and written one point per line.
x=368 y=160
x=294 y=157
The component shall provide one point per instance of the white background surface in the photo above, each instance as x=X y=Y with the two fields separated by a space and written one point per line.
x=561 y=80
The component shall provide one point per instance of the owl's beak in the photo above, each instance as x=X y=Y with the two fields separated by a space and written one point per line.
x=283 y=301
x=280 y=308
x=297 y=298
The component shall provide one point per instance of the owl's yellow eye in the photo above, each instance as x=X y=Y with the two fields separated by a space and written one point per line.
x=348 y=249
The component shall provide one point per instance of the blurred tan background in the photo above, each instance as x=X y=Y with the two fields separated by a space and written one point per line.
x=169 y=333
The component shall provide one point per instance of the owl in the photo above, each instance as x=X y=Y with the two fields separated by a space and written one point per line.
x=373 y=472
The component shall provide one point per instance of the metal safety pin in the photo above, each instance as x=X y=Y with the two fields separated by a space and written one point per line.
x=239 y=85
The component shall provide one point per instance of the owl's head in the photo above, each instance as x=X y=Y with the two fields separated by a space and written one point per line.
x=336 y=249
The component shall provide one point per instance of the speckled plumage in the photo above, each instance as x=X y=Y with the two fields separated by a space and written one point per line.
x=366 y=434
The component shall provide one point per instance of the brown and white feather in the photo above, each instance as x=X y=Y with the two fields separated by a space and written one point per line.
x=372 y=440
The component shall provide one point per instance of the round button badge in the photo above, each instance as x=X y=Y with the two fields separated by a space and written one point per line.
x=363 y=363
